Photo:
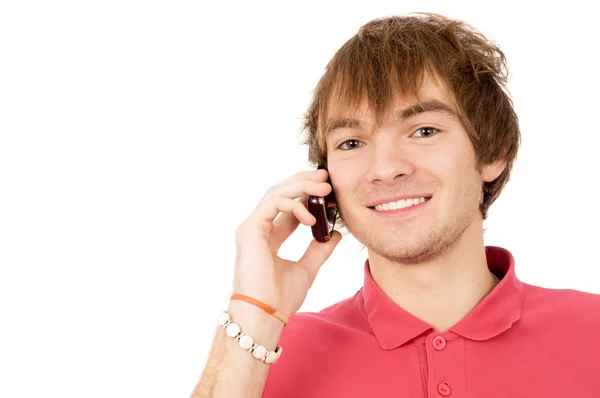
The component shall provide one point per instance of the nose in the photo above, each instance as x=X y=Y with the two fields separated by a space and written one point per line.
x=388 y=162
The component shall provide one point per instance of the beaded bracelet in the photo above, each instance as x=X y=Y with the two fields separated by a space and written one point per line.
x=246 y=342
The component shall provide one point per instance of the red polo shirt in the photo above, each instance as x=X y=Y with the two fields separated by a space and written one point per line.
x=519 y=341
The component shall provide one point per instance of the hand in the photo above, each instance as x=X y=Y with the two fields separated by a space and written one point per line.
x=259 y=271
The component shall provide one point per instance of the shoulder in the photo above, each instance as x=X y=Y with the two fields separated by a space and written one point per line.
x=310 y=334
x=342 y=316
x=562 y=305
x=563 y=298
x=310 y=342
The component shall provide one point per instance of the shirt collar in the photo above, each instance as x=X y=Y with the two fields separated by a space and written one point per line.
x=495 y=313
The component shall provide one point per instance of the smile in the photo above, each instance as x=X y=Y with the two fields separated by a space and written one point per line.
x=400 y=204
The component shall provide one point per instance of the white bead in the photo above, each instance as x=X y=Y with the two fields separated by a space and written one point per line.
x=271 y=357
x=223 y=318
x=259 y=352
x=278 y=351
x=246 y=342
x=232 y=329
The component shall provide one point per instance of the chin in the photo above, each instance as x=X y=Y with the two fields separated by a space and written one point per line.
x=418 y=243
x=406 y=250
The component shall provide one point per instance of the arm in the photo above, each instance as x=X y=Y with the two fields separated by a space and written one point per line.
x=232 y=371
x=262 y=275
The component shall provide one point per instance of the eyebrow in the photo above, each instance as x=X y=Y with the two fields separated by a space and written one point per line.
x=431 y=105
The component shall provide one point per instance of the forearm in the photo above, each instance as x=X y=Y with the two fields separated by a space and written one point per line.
x=231 y=371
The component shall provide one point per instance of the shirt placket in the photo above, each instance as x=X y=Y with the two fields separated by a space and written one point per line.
x=446 y=365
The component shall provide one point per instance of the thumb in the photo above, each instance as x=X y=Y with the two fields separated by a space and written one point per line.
x=317 y=253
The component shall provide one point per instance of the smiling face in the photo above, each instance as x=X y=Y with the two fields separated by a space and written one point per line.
x=419 y=151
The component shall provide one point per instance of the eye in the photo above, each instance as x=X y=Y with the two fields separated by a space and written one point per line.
x=350 y=144
x=427 y=131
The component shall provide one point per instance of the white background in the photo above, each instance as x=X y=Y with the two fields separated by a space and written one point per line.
x=136 y=136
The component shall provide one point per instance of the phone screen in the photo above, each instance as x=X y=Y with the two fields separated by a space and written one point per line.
x=324 y=209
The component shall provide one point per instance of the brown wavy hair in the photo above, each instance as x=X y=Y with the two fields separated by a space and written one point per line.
x=390 y=56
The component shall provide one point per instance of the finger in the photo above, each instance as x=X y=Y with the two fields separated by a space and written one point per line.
x=285 y=225
x=317 y=253
x=313 y=175
x=267 y=211
x=298 y=209
x=298 y=189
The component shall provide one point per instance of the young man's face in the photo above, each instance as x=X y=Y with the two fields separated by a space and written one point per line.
x=429 y=155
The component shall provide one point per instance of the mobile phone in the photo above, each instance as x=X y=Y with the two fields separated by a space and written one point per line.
x=324 y=209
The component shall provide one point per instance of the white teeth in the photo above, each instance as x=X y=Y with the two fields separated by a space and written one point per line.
x=401 y=204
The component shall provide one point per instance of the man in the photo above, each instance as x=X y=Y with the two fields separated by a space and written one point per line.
x=418 y=135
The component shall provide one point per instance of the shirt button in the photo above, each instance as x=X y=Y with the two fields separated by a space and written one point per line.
x=444 y=389
x=439 y=343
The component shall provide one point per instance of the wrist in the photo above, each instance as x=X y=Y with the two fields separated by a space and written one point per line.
x=263 y=327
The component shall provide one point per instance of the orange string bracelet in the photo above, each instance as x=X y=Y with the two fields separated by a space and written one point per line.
x=261 y=305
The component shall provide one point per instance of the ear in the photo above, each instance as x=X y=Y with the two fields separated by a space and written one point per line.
x=492 y=170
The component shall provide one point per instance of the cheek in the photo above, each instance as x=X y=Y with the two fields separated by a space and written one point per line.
x=347 y=175
x=345 y=187
x=343 y=190
x=444 y=166
x=453 y=173
x=454 y=164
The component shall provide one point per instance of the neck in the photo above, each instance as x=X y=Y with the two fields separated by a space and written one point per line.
x=443 y=291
